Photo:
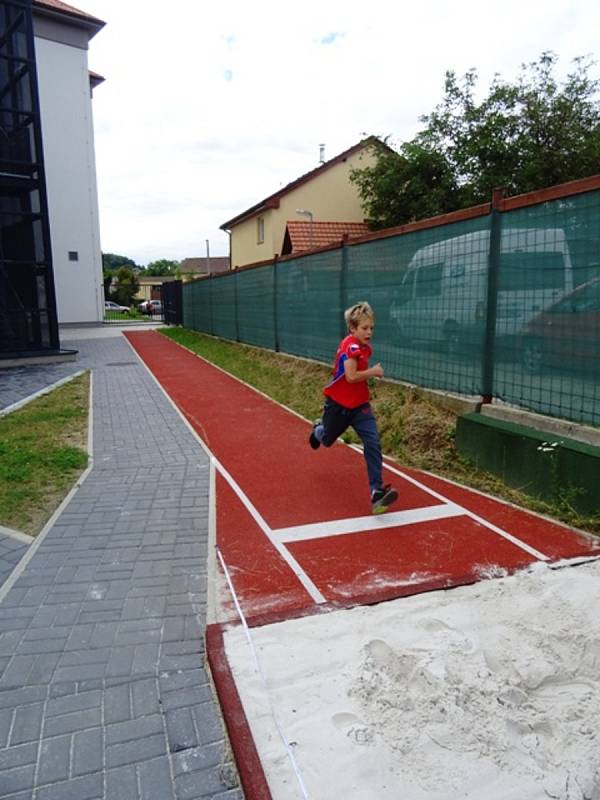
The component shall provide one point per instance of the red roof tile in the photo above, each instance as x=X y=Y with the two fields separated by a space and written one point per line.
x=65 y=8
x=199 y=265
x=298 y=234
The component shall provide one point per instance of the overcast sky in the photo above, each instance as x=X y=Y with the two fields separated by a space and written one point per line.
x=209 y=107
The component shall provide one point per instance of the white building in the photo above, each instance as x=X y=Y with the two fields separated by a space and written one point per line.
x=62 y=34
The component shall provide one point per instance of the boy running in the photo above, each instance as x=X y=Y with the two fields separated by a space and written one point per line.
x=347 y=401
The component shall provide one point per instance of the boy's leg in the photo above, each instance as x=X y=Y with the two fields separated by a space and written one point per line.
x=365 y=426
x=336 y=420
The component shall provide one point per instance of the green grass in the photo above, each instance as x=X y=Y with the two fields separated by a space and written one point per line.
x=42 y=452
x=413 y=429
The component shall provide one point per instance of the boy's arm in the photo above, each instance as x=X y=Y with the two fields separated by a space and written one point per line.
x=354 y=376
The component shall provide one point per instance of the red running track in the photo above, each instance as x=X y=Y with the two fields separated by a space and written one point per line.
x=294 y=525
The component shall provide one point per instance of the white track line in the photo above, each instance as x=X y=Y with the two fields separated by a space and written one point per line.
x=475 y=517
x=269 y=533
x=320 y=530
x=310 y=587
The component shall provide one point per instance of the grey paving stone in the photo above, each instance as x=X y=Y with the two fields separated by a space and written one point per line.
x=27 y=724
x=89 y=787
x=73 y=702
x=136 y=750
x=18 y=756
x=197 y=759
x=208 y=723
x=117 y=704
x=155 y=780
x=181 y=731
x=14 y=780
x=27 y=795
x=187 y=786
x=186 y=697
x=103 y=691
x=70 y=723
x=54 y=760
x=88 y=755
x=134 y=729
x=145 y=697
x=121 y=783
x=6 y=715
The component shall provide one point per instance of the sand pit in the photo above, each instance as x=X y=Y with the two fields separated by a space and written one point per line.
x=490 y=690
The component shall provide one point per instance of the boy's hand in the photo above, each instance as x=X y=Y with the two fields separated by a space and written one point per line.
x=377 y=370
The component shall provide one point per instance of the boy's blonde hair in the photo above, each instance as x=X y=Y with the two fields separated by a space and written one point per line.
x=357 y=312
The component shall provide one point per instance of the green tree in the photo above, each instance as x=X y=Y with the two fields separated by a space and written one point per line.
x=125 y=286
x=520 y=137
x=163 y=266
x=415 y=183
x=112 y=261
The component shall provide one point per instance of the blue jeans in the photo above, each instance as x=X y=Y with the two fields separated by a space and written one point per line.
x=337 y=419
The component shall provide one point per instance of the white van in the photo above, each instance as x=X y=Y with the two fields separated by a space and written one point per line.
x=442 y=299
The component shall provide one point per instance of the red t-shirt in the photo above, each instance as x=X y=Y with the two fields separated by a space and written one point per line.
x=349 y=395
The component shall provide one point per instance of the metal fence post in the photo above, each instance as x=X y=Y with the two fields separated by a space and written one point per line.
x=236 y=314
x=275 y=314
x=210 y=304
x=343 y=271
x=488 y=356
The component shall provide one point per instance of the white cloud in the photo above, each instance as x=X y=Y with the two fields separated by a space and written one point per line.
x=208 y=108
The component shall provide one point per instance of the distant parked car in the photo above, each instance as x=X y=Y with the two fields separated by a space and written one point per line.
x=115 y=307
x=155 y=307
x=567 y=333
x=143 y=307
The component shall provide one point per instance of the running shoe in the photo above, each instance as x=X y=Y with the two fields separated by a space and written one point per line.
x=312 y=439
x=382 y=498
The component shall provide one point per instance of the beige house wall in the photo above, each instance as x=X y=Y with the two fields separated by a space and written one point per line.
x=330 y=196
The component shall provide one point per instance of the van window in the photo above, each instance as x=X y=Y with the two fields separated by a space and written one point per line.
x=429 y=280
x=531 y=270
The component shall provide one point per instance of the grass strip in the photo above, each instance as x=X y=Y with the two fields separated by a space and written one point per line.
x=42 y=453
x=413 y=429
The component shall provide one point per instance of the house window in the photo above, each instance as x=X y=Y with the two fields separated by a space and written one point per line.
x=260 y=230
x=73 y=255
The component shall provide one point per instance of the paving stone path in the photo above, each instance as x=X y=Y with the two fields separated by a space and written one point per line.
x=104 y=692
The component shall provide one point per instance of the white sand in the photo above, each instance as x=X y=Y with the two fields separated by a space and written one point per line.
x=485 y=691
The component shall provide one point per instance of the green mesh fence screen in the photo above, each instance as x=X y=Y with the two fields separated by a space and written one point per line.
x=309 y=305
x=222 y=309
x=256 y=306
x=506 y=304
x=547 y=349
x=429 y=292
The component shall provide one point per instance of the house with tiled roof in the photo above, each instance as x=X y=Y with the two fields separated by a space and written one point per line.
x=62 y=34
x=325 y=194
x=301 y=235
x=197 y=267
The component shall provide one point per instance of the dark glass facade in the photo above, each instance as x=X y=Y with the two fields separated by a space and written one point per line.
x=28 y=318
